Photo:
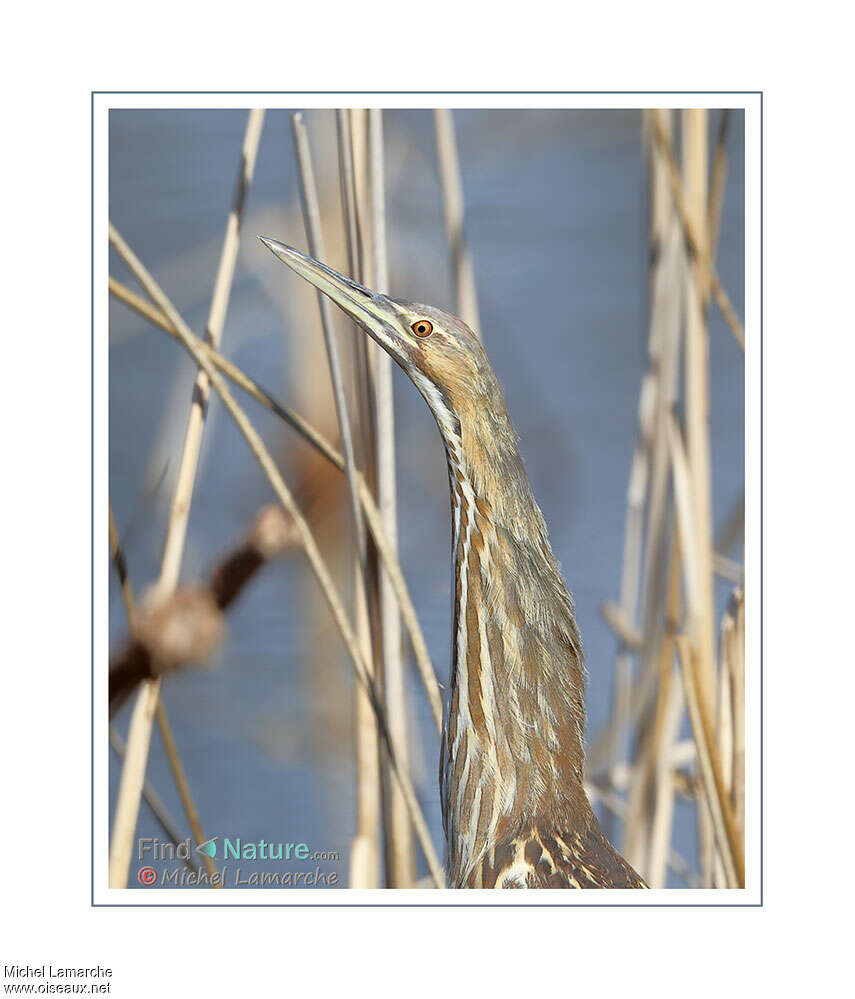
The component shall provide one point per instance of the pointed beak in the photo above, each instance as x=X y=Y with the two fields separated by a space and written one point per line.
x=376 y=314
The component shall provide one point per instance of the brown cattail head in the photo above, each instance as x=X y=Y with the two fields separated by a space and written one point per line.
x=179 y=631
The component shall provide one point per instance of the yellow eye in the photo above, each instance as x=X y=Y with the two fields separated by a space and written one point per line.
x=422 y=328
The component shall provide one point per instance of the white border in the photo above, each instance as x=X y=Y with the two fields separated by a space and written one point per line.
x=751 y=103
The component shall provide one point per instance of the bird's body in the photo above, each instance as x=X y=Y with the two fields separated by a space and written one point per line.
x=515 y=812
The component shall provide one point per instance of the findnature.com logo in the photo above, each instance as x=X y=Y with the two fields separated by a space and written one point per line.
x=232 y=848
x=151 y=848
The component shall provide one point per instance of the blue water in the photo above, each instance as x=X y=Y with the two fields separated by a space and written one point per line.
x=557 y=223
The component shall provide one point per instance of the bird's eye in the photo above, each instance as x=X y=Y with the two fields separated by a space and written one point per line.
x=422 y=328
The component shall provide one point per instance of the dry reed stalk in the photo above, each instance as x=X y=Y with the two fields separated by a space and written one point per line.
x=717 y=185
x=139 y=733
x=662 y=814
x=724 y=721
x=368 y=752
x=362 y=192
x=622 y=618
x=180 y=512
x=640 y=474
x=314 y=235
x=310 y=547
x=462 y=272
x=363 y=869
x=662 y=818
x=182 y=785
x=696 y=246
x=164 y=727
x=736 y=662
x=667 y=253
x=357 y=267
x=316 y=440
x=365 y=848
x=724 y=827
x=625 y=631
x=131 y=784
x=685 y=522
x=654 y=753
x=695 y=154
x=154 y=802
x=697 y=396
x=682 y=755
x=727 y=568
x=400 y=851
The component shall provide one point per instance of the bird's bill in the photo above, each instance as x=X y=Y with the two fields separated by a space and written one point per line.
x=376 y=314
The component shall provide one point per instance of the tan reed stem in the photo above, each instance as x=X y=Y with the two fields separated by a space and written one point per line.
x=736 y=662
x=180 y=512
x=685 y=521
x=719 y=813
x=314 y=235
x=154 y=801
x=656 y=742
x=625 y=631
x=358 y=269
x=717 y=184
x=463 y=274
x=667 y=254
x=309 y=545
x=695 y=154
x=181 y=783
x=661 y=821
x=724 y=721
x=364 y=870
x=697 y=395
x=639 y=477
x=139 y=733
x=400 y=851
x=372 y=787
x=323 y=447
x=696 y=246
x=726 y=835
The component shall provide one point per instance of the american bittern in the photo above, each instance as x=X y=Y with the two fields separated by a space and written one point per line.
x=514 y=808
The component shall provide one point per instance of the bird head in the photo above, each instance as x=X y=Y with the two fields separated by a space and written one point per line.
x=438 y=351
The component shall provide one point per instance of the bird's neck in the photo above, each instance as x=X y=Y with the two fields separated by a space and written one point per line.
x=513 y=739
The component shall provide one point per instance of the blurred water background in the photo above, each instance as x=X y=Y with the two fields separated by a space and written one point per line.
x=557 y=224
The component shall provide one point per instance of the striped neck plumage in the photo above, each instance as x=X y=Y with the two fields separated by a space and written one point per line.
x=512 y=751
